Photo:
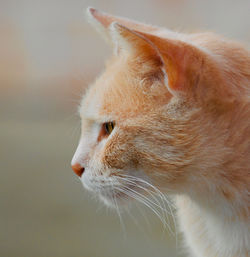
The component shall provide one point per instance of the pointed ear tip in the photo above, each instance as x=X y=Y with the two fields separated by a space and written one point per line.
x=91 y=15
x=90 y=11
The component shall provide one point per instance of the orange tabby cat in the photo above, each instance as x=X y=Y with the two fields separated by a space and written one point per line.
x=171 y=113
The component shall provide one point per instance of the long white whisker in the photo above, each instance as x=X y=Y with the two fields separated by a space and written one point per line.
x=161 y=205
x=152 y=193
x=145 y=193
x=141 y=198
x=135 y=181
x=134 y=220
x=144 y=216
x=118 y=211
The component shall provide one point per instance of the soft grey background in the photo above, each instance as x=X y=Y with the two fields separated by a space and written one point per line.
x=48 y=54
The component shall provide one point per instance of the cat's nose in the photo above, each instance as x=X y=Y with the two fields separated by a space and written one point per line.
x=78 y=169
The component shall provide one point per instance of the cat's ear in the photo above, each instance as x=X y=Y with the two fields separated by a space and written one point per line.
x=180 y=62
x=187 y=69
x=101 y=21
x=185 y=65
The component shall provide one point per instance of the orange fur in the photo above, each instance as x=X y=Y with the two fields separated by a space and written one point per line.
x=181 y=104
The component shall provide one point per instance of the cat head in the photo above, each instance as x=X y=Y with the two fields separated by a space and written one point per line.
x=147 y=119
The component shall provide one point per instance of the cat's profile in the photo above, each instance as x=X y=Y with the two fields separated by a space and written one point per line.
x=171 y=112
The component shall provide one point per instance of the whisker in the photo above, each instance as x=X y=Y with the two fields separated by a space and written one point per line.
x=118 y=211
x=144 y=216
x=134 y=220
x=157 y=203
x=161 y=205
x=141 y=198
x=152 y=193
x=145 y=193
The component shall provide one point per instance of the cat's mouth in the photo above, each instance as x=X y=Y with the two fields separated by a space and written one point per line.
x=122 y=188
x=111 y=190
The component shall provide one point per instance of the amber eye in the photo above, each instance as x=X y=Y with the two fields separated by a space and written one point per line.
x=109 y=126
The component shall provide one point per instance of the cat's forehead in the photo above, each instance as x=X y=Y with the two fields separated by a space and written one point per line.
x=121 y=92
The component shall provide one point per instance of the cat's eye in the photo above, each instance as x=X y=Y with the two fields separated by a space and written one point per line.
x=109 y=126
x=106 y=130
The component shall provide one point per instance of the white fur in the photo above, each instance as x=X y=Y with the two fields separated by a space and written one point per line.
x=209 y=233
x=85 y=143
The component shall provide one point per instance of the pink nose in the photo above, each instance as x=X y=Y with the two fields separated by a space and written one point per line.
x=78 y=169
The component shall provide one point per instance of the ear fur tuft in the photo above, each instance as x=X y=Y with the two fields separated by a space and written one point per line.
x=131 y=40
x=115 y=35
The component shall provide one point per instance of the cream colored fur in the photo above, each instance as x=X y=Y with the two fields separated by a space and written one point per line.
x=181 y=107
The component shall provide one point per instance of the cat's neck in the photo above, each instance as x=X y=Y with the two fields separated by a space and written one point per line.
x=214 y=228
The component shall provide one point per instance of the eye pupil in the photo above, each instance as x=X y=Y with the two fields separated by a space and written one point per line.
x=109 y=126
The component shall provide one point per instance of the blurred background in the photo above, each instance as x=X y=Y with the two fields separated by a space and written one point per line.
x=48 y=55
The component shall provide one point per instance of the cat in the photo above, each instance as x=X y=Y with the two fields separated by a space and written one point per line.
x=171 y=114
